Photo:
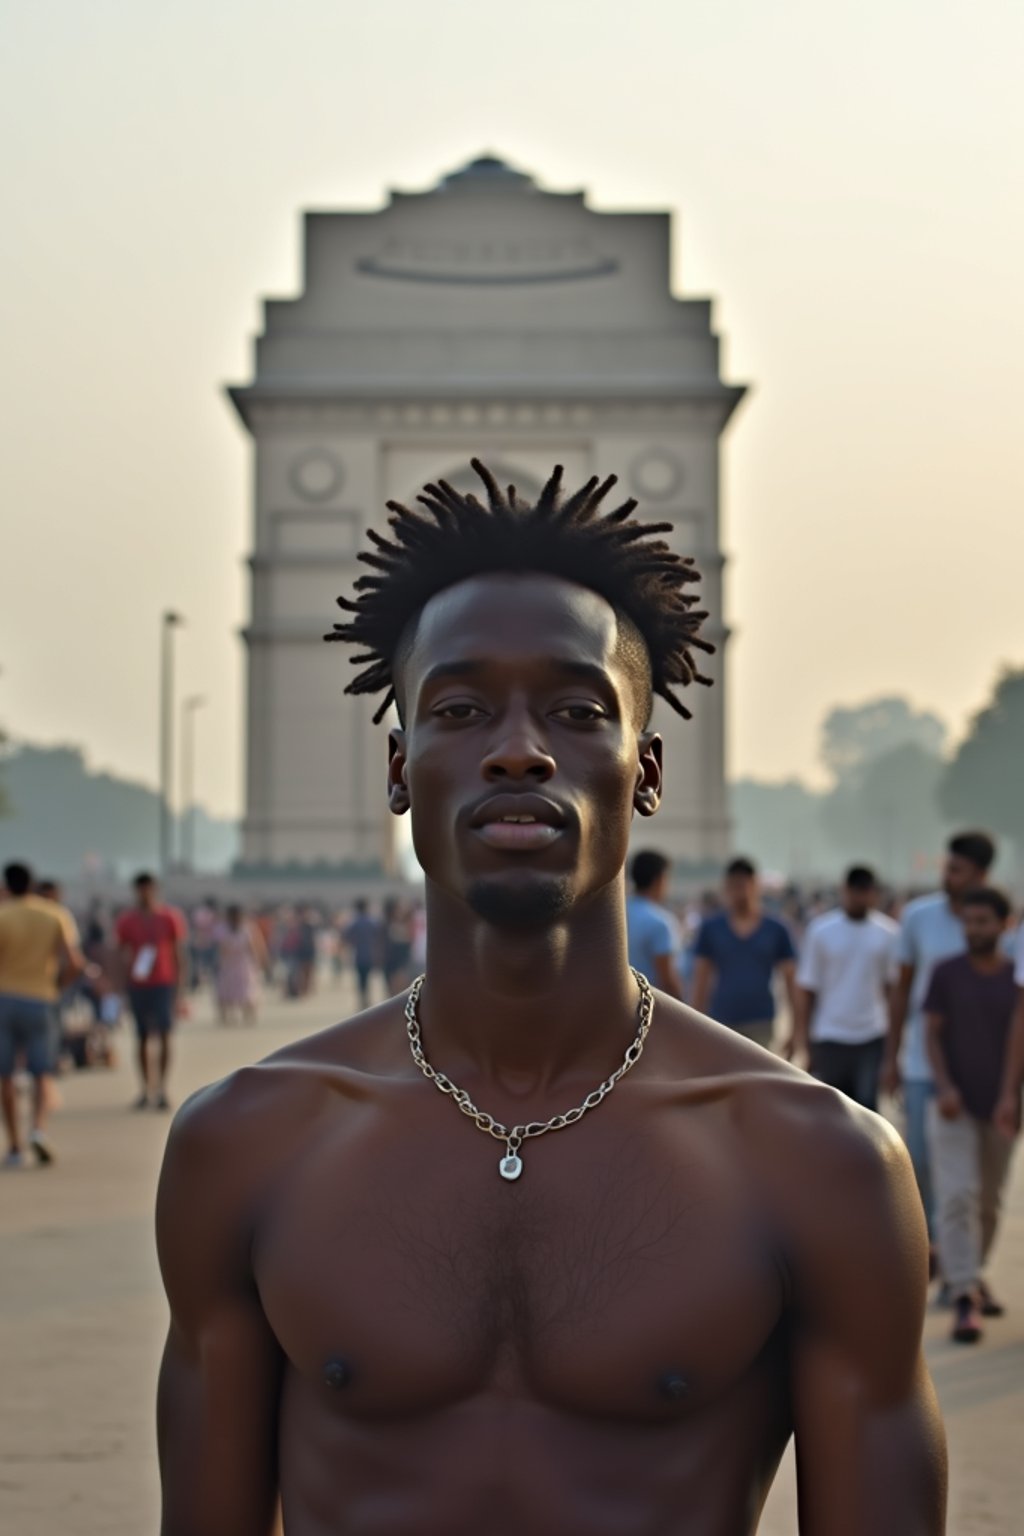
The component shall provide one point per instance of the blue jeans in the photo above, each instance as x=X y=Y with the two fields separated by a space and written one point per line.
x=916 y=1098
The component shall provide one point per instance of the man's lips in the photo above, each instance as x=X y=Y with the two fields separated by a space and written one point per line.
x=521 y=822
x=523 y=836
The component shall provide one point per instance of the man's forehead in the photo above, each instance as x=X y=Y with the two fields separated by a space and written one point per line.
x=516 y=615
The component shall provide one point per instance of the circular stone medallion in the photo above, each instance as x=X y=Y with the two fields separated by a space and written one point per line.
x=315 y=475
x=656 y=474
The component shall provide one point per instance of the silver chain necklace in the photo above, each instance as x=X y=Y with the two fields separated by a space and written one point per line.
x=511 y=1165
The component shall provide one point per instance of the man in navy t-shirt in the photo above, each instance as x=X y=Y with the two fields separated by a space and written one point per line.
x=738 y=952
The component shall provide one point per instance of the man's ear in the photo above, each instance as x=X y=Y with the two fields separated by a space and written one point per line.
x=398 y=793
x=647 y=795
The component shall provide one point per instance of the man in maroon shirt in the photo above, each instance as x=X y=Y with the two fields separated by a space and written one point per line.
x=969 y=1008
x=152 y=939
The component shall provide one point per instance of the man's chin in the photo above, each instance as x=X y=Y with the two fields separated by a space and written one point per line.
x=515 y=903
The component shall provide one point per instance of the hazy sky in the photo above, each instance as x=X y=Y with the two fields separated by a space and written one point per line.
x=847 y=180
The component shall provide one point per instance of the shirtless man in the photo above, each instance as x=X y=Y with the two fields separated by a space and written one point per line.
x=382 y=1320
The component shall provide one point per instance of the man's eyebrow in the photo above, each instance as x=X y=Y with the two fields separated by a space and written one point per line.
x=586 y=671
x=445 y=669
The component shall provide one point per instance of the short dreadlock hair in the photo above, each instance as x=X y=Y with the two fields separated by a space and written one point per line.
x=456 y=537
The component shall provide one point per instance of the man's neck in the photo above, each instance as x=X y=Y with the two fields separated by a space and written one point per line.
x=745 y=916
x=987 y=960
x=527 y=1008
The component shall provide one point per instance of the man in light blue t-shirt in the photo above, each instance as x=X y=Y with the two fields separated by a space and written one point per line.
x=930 y=931
x=653 y=936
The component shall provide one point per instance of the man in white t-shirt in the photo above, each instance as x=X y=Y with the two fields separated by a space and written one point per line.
x=848 y=964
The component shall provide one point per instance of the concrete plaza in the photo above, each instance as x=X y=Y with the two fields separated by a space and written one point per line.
x=82 y=1319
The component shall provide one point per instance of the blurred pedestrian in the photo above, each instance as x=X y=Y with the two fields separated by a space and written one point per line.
x=653 y=937
x=239 y=960
x=307 y=934
x=847 y=968
x=103 y=987
x=397 y=924
x=153 y=939
x=739 y=952
x=969 y=1007
x=364 y=936
x=38 y=952
x=931 y=930
x=204 y=926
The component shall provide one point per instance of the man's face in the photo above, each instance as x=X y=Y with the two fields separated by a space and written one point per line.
x=522 y=760
x=961 y=875
x=740 y=892
x=859 y=900
x=145 y=894
x=982 y=929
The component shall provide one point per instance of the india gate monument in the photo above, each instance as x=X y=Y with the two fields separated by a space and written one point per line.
x=485 y=317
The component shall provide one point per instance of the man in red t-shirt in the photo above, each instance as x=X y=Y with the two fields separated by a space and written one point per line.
x=153 y=942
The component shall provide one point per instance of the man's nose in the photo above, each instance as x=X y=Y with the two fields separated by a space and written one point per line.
x=519 y=753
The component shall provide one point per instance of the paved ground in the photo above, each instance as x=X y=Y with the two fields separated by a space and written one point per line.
x=82 y=1321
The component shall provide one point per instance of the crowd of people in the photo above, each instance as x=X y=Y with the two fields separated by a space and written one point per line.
x=921 y=999
x=918 y=998
x=67 y=983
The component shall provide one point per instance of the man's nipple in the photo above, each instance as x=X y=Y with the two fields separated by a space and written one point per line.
x=337 y=1373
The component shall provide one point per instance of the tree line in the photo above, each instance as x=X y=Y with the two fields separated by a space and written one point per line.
x=896 y=790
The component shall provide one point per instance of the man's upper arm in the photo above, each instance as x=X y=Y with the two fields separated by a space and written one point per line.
x=906 y=946
x=704 y=947
x=936 y=998
x=870 y=1445
x=785 y=949
x=220 y=1376
x=808 y=971
x=69 y=949
x=664 y=938
x=667 y=975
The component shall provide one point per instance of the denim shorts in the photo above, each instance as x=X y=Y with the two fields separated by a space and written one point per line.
x=28 y=1029
x=153 y=1009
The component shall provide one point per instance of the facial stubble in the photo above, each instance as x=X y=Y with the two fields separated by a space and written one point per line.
x=521 y=907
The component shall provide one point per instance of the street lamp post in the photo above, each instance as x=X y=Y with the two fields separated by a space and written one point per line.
x=188 y=751
x=169 y=623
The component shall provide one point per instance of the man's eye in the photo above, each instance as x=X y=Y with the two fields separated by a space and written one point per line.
x=582 y=714
x=456 y=711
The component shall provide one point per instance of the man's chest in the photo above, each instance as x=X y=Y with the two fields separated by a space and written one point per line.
x=620 y=1275
x=856 y=958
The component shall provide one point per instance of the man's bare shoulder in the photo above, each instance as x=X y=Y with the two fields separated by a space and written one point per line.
x=800 y=1130
x=261 y=1107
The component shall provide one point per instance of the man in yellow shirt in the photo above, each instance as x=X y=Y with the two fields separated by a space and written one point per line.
x=38 y=953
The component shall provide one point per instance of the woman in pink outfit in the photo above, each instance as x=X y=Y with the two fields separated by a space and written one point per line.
x=240 y=962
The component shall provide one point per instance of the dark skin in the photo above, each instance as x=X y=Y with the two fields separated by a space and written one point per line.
x=372 y=1332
